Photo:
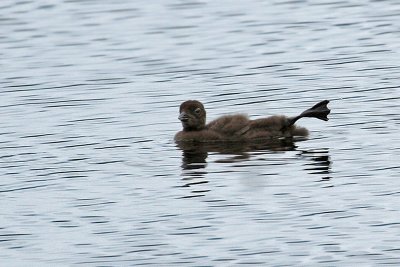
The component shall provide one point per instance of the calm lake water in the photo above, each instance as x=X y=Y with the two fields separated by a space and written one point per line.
x=91 y=176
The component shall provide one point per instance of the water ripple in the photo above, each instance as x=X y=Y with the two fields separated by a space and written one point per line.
x=90 y=99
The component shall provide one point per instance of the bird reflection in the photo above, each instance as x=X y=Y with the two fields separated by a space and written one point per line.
x=319 y=163
x=194 y=159
x=194 y=155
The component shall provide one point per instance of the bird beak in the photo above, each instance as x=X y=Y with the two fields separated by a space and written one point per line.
x=183 y=117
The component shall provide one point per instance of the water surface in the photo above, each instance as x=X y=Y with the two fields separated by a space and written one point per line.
x=90 y=94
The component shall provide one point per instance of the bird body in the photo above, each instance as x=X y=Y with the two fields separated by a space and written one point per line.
x=238 y=127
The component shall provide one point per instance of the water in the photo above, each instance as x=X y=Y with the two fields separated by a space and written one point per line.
x=90 y=174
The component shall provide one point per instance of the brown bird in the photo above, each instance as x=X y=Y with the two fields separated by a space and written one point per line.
x=238 y=127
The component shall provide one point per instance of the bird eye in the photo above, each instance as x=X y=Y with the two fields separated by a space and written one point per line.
x=197 y=110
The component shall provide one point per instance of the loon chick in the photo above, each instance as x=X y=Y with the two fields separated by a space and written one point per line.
x=238 y=127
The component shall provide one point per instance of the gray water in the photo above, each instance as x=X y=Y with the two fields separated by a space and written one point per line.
x=91 y=176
